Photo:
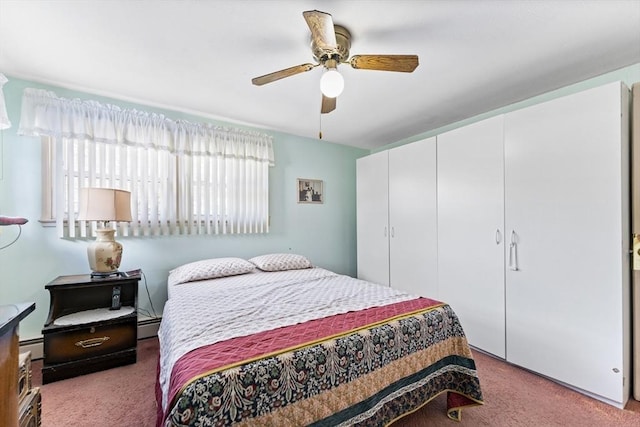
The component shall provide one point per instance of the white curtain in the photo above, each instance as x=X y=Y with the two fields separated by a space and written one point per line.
x=184 y=178
x=4 y=117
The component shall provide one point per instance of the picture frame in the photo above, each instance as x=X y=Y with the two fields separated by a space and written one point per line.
x=309 y=191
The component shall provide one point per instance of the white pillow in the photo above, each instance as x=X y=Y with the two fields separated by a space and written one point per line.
x=209 y=269
x=281 y=262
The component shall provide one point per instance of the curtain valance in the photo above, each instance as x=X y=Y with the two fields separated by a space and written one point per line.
x=46 y=114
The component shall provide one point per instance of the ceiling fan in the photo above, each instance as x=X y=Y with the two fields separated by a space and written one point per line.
x=330 y=46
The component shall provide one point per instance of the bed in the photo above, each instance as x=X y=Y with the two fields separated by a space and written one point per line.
x=275 y=341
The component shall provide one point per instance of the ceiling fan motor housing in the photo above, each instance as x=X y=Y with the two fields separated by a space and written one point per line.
x=340 y=53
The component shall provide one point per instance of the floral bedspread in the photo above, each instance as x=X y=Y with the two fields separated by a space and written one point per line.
x=399 y=359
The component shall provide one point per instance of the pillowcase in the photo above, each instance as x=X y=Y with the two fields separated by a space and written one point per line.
x=209 y=269
x=281 y=262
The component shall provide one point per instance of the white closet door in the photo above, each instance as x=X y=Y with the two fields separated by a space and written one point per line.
x=471 y=230
x=413 y=218
x=372 y=194
x=567 y=213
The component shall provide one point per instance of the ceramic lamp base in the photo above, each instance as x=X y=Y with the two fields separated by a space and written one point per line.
x=104 y=253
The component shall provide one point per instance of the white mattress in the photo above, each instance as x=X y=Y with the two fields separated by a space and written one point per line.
x=210 y=311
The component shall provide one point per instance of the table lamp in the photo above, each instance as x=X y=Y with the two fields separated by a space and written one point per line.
x=104 y=204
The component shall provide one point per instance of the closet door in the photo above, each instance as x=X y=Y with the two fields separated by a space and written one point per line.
x=413 y=218
x=471 y=230
x=372 y=195
x=567 y=293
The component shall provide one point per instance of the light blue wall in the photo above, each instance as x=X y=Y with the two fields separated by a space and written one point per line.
x=325 y=233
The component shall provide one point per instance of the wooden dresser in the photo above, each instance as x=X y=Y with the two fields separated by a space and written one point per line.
x=10 y=317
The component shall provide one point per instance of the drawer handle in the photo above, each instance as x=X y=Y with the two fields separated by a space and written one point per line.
x=93 y=342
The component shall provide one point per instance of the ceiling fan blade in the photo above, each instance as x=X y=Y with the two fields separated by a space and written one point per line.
x=328 y=104
x=287 y=72
x=401 y=63
x=323 y=34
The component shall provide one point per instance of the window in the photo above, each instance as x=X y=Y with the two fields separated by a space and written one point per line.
x=184 y=178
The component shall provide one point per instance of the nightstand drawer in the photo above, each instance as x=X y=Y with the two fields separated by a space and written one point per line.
x=85 y=342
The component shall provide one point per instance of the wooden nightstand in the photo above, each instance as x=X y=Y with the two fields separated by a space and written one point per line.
x=82 y=334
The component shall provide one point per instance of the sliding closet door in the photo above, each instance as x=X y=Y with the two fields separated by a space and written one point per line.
x=567 y=293
x=413 y=218
x=372 y=194
x=471 y=230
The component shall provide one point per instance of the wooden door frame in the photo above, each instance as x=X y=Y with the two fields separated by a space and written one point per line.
x=635 y=227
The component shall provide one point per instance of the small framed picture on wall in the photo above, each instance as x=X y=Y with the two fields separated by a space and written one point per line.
x=309 y=190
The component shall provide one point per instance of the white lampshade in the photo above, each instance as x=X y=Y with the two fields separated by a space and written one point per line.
x=4 y=117
x=104 y=204
x=331 y=83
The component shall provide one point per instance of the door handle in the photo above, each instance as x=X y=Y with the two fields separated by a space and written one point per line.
x=513 y=252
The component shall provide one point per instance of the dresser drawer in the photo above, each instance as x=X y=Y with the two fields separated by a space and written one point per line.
x=31 y=409
x=86 y=342
x=24 y=376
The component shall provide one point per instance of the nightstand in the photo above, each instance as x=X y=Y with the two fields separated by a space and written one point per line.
x=82 y=333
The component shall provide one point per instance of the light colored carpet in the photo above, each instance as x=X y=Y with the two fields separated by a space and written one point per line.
x=125 y=397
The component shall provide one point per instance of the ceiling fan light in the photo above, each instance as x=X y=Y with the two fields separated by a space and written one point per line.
x=331 y=83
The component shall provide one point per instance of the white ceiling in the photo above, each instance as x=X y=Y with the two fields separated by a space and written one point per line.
x=200 y=56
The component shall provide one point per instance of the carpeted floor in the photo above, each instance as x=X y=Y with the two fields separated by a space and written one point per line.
x=123 y=397
x=513 y=397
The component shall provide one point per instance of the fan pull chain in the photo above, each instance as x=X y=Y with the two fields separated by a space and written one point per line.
x=320 y=132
